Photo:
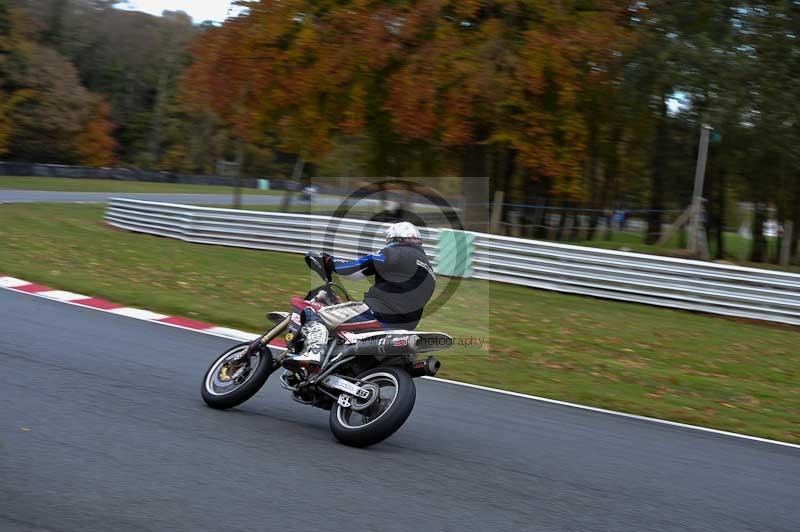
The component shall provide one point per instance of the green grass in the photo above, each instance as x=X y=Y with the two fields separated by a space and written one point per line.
x=722 y=373
x=112 y=185
x=737 y=249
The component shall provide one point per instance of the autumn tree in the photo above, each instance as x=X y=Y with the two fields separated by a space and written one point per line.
x=46 y=123
x=492 y=86
x=96 y=145
x=9 y=97
x=133 y=59
x=502 y=86
x=48 y=116
x=567 y=104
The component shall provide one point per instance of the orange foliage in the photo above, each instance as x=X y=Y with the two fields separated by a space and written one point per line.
x=447 y=73
x=483 y=79
x=96 y=144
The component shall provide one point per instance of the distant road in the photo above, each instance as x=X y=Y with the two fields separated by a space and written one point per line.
x=102 y=428
x=29 y=196
x=50 y=196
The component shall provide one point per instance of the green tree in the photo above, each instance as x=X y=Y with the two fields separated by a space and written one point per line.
x=771 y=112
x=8 y=98
x=131 y=58
x=47 y=121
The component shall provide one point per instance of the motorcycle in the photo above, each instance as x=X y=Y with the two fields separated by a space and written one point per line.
x=365 y=378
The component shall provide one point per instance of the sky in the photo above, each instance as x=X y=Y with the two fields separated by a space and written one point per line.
x=199 y=10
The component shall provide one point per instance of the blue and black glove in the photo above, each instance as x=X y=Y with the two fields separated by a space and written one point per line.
x=327 y=263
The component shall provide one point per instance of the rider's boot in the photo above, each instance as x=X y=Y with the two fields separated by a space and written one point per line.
x=315 y=337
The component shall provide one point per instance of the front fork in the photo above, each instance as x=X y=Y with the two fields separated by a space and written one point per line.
x=263 y=341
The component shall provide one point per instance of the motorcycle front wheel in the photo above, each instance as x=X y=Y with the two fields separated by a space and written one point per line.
x=386 y=412
x=234 y=377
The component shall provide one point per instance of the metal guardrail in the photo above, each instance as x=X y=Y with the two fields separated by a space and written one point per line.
x=649 y=279
x=275 y=231
x=640 y=278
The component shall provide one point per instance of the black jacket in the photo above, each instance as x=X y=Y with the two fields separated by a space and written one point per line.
x=404 y=282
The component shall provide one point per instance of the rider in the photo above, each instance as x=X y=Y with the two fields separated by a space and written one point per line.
x=404 y=282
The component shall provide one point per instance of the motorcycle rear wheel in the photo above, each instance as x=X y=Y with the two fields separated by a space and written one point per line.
x=384 y=417
x=224 y=387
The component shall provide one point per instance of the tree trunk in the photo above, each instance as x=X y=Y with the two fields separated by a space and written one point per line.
x=795 y=252
x=774 y=254
x=237 y=179
x=539 y=220
x=758 y=252
x=654 y=217
x=562 y=223
x=297 y=174
x=503 y=168
x=156 y=128
x=496 y=173
x=609 y=190
x=594 y=185
x=714 y=209
x=720 y=211
x=161 y=100
x=608 y=216
x=475 y=188
x=594 y=220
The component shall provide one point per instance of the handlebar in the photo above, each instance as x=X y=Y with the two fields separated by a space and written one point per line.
x=317 y=265
x=315 y=262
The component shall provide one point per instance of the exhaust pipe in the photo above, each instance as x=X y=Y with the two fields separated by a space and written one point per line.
x=428 y=367
x=386 y=346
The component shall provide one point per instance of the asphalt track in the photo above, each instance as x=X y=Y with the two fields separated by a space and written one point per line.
x=102 y=429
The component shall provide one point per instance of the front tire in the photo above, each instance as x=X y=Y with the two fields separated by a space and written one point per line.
x=397 y=395
x=227 y=383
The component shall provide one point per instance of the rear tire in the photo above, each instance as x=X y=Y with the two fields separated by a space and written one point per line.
x=213 y=387
x=394 y=411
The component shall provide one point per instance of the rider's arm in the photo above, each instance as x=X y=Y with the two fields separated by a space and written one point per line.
x=358 y=268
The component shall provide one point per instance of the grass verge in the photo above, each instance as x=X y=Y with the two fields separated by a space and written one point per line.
x=112 y=185
x=737 y=249
x=676 y=365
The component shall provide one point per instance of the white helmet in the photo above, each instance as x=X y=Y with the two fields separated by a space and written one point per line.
x=403 y=231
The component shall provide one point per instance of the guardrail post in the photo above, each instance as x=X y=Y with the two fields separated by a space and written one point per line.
x=454 y=253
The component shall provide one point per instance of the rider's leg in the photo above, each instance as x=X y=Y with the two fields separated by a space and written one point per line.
x=315 y=340
x=344 y=316
x=351 y=316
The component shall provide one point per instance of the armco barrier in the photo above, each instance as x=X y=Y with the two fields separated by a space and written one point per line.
x=293 y=233
x=649 y=279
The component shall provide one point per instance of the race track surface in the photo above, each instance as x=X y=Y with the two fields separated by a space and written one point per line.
x=102 y=429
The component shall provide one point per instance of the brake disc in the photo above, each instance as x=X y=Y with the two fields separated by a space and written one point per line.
x=231 y=370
